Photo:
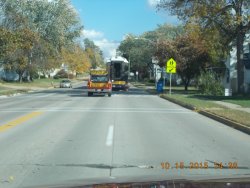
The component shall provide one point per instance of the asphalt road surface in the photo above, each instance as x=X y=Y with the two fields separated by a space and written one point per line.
x=63 y=137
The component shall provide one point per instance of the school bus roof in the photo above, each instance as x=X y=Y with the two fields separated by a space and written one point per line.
x=98 y=72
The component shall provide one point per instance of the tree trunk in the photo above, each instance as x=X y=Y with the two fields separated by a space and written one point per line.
x=186 y=82
x=186 y=87
x=20 y=77
x=240 y=65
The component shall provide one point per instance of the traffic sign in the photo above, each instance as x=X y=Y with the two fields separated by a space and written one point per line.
x=171 y=66
x=171 y=63
x=171 y=69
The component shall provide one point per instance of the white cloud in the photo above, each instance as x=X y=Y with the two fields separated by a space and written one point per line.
x=92 y=34
x=153 y=3
x=108 y=47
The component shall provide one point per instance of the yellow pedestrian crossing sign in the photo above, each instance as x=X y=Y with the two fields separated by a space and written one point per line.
x=171 y=69
x=171 y=66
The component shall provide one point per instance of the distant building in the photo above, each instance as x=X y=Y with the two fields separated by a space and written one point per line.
x=8 y=75
x=230 y=79
x=13 y=76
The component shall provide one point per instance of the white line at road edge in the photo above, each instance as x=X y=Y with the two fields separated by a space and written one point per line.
x=109 y=139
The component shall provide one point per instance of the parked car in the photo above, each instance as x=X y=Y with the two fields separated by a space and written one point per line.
x=65 y=84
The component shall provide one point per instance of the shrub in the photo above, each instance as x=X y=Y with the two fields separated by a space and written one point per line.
x=151 y=81
x=209 y=83
x=61 y=74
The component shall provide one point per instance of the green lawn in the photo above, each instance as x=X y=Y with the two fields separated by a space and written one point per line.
x=43 y=83
x=193 y=92
x=191 y=99
x=9 y=88
x=242 y=102
x=202 y=103
x=10 y=91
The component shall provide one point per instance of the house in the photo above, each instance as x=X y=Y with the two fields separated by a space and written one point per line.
x=13 y=76
x=230 y=78
x=8 y=75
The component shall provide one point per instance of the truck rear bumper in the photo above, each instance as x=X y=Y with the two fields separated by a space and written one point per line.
x=100 y=90
x=118 y=87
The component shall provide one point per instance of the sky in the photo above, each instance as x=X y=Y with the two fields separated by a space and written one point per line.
x=107 y=22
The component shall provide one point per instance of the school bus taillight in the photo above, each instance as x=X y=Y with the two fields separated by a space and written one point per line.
x=89 y=83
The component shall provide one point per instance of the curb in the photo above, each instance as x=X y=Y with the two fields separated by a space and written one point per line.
x=220 y=119
x=227 y=122
x=188 y=106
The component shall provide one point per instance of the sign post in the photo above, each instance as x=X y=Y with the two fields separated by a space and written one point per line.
x=170 y=84
x=170 y=68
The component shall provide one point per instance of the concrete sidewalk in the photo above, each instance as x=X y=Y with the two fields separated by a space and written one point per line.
x=232 y=106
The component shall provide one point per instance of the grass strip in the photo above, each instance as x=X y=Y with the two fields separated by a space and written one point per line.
x=234 y=115
x=207 y=105
x=9 y=92
x=42 y=83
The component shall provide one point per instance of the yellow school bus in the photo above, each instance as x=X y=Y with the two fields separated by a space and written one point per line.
x=99 y=82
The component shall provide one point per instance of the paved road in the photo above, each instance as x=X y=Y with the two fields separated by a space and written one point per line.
x=61 y=136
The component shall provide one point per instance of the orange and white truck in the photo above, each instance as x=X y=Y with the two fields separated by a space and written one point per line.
x=99 y=82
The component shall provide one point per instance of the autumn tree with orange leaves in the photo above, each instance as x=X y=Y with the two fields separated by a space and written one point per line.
x=190 y=53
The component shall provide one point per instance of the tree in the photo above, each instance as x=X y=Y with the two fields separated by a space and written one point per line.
x=54 y=24
x=164 y=32
x=213 y=41
x=139 y=51
x=76 y=59
x=189 y=52
x=230 y=17
x=94 y=53
x=7 y=43
x=16 y=50
x=44 y=57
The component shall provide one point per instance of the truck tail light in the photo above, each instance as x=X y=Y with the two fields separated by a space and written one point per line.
x=109 y=85
x=89 y=83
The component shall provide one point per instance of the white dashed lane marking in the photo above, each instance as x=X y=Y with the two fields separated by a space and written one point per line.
x=110 y=135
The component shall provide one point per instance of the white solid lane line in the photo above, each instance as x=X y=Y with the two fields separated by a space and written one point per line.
x=109 y=139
